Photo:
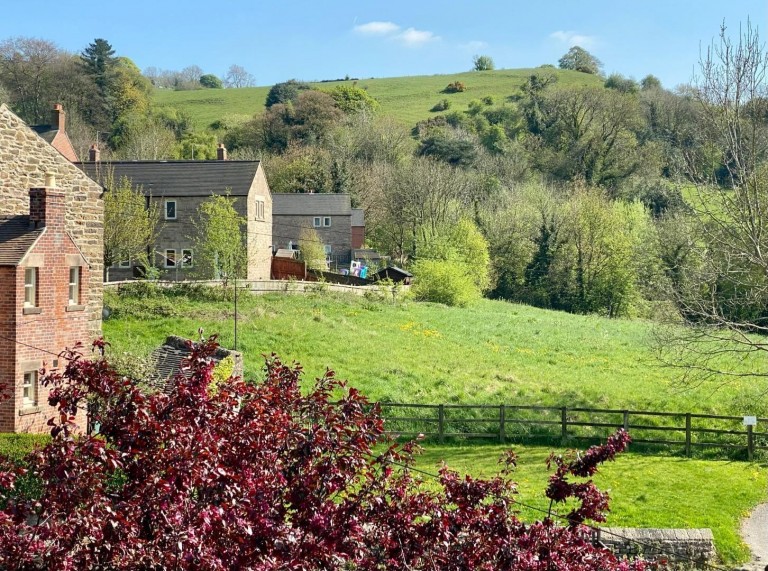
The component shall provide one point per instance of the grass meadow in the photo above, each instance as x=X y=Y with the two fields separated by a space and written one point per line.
x=408 y=99
x=491 y=353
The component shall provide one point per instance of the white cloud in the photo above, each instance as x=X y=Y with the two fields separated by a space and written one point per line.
x=474 y=46
x=414 y=38
x=572 y=38
x=377 y=28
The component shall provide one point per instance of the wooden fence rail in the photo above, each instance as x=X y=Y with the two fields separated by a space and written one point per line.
x=503 y=422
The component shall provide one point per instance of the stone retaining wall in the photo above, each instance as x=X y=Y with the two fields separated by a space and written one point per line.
x=672 y=544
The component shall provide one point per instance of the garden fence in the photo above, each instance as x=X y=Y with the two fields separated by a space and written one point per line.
x=501 y=423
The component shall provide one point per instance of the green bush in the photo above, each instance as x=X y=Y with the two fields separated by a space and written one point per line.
x=442 y=105
x=443 y=281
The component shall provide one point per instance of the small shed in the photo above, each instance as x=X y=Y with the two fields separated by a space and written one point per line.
x=397 y=275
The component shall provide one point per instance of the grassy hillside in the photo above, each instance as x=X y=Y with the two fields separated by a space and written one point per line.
x=408 y=99
x=493 y=352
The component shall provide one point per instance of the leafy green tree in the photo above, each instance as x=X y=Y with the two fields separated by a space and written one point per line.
x=482 y=63
x=197 y=146
x=285 y=92
x=311 y=249
x=220 y=247
x=351 y=99
x=307 y=121
x=130 y=223
x=579 y=59
x=650 y=82
x=443 y=281
x=588 y=133
x=210 y=81
x=622 y=84
x=130 y=90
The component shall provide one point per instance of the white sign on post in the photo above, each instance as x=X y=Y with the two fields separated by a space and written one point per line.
x=750 y=421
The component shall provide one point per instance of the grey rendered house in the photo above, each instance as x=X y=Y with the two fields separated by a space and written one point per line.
x=330 y=215
x=178 y=188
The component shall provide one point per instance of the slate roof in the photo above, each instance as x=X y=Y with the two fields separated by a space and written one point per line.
x=46 y=132
x=180 y=178
x=358 y=217
x=16 y=238
x=311 y=204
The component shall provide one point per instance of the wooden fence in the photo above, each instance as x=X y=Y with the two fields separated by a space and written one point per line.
x=686 y=431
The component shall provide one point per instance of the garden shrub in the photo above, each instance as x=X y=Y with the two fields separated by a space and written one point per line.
x=443 y=281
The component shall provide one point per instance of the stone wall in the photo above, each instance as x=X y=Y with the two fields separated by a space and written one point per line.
x=25 y=158
x=675 y=545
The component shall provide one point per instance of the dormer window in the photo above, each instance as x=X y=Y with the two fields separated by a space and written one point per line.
x=170 y=210
x=30 y=287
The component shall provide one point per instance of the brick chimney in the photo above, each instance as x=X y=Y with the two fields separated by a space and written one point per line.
x=58 y=117
x=94 y=154
x=221 y=152
x=46 y=205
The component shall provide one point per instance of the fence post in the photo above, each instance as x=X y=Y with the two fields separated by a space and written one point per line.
x=750 y=443
x=564 y=422
x=441 y=424
x=688 y=434
x=502 y=424
x=626 y=420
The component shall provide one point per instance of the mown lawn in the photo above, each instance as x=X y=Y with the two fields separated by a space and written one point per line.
x=408 y=99
x=646 y=491
x=494 y=352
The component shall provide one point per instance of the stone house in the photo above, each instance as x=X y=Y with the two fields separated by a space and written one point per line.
x=179 y=188
x=52 y=251
x=330 y=215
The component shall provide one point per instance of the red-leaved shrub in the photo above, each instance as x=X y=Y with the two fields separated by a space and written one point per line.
x=266 y=476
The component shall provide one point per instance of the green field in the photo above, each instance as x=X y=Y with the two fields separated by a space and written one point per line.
x=408 y=99
x=491 y=353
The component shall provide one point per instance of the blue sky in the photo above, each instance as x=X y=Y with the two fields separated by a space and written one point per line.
x=324 y=39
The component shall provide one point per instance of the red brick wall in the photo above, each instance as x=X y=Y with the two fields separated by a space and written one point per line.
x=41 y=336
x=8 y=354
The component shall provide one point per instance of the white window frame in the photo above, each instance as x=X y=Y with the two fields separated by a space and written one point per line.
x=317 y=221
x=184 y=263
x=327 y=221
x=74 y=285
x=168 y=257
x=30 y=287
x=328 y=249
x=124 y=263
x=175 y=210
x=29 y=389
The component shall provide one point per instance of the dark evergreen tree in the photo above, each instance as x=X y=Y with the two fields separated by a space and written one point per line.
x=99 y=64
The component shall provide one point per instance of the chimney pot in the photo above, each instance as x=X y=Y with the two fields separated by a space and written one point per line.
x=94 y=154
x=221 y=152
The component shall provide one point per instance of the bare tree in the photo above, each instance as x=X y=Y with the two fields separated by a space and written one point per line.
x=238 y=76
x=721 y=288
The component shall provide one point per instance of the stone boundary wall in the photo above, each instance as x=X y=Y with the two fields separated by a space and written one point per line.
x=676 y=545
x=270 y=286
